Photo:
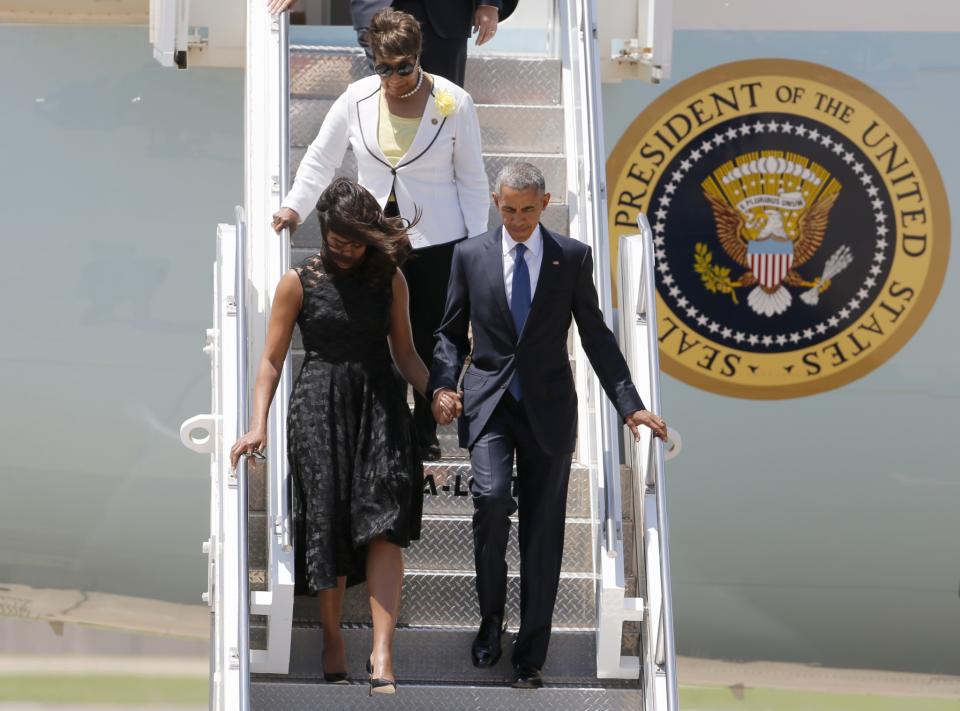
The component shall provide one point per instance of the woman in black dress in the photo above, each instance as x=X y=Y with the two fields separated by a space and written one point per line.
x=351 y=442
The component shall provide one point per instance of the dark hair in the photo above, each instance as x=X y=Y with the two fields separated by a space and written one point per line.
x=394 y=33
x=354 y=214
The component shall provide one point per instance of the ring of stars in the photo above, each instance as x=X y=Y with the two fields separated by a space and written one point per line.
x=850 y=309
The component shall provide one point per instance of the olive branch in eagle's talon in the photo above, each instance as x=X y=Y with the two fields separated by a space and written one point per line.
x=715 y=278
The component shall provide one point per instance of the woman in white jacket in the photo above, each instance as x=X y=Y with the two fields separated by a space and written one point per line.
x=417 y=142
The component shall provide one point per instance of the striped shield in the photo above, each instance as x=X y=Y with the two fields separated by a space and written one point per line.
x=770 y=260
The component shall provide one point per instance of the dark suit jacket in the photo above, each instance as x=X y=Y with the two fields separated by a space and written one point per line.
x=453 y=19
x=564 y=290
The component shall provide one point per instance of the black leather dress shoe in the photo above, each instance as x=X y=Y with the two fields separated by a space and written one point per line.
x=486 y=647
x=431 y=452
x=527 y=678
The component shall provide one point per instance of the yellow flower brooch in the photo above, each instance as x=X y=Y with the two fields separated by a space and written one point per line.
x=445 y=103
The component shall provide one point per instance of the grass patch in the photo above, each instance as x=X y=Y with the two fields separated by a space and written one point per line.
x=103 y=689
x=704 y=698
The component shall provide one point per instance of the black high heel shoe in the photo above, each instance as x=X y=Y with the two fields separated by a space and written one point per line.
x=380 y=686
x=336 y=678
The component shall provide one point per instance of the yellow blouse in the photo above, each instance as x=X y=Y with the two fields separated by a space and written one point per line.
x=395 y=133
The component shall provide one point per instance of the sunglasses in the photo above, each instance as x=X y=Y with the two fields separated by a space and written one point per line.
x=403 y=70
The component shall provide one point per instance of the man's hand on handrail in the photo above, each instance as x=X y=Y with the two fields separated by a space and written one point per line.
x=645 y=417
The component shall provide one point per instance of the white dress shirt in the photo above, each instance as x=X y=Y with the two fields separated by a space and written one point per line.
x=533 y=256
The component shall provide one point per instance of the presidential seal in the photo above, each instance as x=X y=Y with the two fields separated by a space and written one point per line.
x=800 y=224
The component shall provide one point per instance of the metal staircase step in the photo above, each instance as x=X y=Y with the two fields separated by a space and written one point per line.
x=426 y=654
x=449 y=599
x=446 y=543
x=450 y=447
x=503 y=129
x=257 y=539
x=514 y=80
x=256 y=485
x=449 y=480
x=297 y=695
x=517 y=128
x=324 y=72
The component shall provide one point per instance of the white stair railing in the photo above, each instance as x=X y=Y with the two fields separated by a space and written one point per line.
x=238 y=477
x=213 y=434
x=638 y=332
x=599 y=431
x=265 y=178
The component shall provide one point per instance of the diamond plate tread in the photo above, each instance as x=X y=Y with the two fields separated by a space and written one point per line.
x=256 y=485
x=455 y=498
x=324 y=72
x=306 y=696
x=432 y=654
x=258 y=632
x=306 y=240
x=514 y=80
x=446 y=599
x=503 y=128
x=512 y=128
x=450 y=447
x=424 y=654
x=257 y=539
x=446 y=543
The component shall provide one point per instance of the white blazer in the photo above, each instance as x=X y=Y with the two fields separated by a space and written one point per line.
x=442 y=173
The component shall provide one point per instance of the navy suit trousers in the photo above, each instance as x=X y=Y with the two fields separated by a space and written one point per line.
x=541 y=489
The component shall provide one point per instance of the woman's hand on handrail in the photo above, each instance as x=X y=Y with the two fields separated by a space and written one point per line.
x=285 y=218
x=251 y=444
x=277 y=6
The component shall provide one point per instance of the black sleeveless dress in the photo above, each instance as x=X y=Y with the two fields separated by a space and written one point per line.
x=351 y=444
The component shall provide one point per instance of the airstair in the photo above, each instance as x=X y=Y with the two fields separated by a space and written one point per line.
x=612 y=646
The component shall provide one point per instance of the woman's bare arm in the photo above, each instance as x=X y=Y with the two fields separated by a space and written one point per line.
x=401 y=337
x=283 y=316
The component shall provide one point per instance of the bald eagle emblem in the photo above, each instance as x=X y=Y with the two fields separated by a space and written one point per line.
x=771 y=211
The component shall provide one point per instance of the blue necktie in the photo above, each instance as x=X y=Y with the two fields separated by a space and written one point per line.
x=519 y=305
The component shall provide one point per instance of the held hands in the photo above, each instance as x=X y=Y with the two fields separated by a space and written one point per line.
x=285 y=218
x=485 y=23
x=645 y=417
x=446 y=406
x=251 y=444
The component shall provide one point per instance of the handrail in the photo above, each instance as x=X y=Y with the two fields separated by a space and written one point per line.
x=649 y=321
x=595 y=183
x=553 y=29
x=285 y=520
x=243 y=414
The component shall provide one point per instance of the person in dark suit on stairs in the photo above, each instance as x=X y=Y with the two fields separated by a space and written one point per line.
x=446 y=26
x=518 y=287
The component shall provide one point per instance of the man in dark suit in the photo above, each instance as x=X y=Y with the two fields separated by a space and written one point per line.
x=519 y=286
x=447 y=25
